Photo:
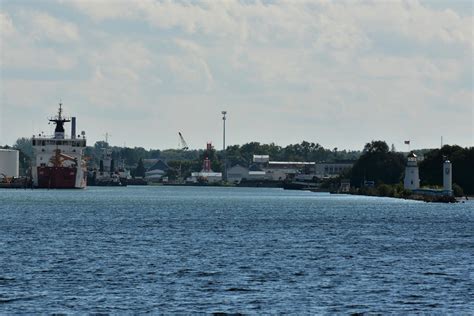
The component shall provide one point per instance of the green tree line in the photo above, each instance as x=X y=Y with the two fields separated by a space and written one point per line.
x=377 y=163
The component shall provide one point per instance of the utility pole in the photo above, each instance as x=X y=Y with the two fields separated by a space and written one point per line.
x=224 y=176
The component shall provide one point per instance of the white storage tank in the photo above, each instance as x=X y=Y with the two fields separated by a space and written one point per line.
x=9 y=163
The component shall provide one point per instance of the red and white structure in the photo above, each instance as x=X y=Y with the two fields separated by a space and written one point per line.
x=58 y=162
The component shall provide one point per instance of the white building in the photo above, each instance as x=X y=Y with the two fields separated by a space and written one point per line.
x=258 y=175
x=280 y=170
x=330 y=169
x=9 y=163
x=237 y=173
x=412 y=177
x=261 y=158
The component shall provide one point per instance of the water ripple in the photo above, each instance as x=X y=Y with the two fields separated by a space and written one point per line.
x=231 y=251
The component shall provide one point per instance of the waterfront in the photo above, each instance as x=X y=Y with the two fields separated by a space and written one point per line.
x=198 y=249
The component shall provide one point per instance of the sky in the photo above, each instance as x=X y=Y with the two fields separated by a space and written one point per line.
x=338 y=73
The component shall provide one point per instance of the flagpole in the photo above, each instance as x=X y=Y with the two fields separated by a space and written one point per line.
x=408 y=142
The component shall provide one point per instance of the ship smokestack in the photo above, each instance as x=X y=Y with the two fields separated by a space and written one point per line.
x=73 y=127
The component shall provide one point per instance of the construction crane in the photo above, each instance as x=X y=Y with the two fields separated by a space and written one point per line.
x=182 y=142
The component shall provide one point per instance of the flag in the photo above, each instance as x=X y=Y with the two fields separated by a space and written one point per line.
x=407 y=142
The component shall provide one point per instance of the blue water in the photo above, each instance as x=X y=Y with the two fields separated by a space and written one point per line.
x=186 y=249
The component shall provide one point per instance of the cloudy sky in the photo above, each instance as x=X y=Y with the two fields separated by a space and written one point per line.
x=340 y=73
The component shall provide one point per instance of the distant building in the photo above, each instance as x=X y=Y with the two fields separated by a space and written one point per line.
x=156 y=172
x=148 y=163
x=412 y=178
x=257 y=173
x=203 y=176
x=332 y=169
x=281 y=170
x=237 y=173
x=345 y=186
x=261 y=158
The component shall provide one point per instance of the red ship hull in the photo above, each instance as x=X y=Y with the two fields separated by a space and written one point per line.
x=57 y=177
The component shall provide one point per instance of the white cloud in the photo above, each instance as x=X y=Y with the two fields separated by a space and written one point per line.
x=6 y=25
x=103 y=9
x=39 y=26
x=293 y=62
x=21 y=36
x=46 y=26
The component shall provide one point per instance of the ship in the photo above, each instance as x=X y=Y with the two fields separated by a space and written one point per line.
x=108 y=174
x=58 y=162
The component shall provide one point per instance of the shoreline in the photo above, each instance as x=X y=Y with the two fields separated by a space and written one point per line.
x=422 y=198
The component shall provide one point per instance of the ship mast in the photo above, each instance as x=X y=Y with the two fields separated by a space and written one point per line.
x=59 y=120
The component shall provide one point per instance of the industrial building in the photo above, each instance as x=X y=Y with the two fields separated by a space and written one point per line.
x=238 y=173
x=331 y=169
x=281 y=170
x=155 y=172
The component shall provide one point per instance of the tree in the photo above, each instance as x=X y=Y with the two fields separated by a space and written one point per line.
x=24 y=145
x=236 y=154
x=183 y=168
x=140 y=170
x=457 y=190
x=376 y=146
x=172 y=174
x=25 y=148
x=378 y=164
x=155 y=153
x=463 y=166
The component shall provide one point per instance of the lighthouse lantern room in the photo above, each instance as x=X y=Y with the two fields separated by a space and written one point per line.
x=412 y=177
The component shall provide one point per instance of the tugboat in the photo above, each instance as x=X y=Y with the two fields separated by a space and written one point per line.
x=58 y=162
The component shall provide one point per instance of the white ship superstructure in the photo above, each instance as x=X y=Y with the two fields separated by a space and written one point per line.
x=58 y=161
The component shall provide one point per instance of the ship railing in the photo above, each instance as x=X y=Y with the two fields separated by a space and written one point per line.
x=48 y=137
x=63 y=118
x=43 y=141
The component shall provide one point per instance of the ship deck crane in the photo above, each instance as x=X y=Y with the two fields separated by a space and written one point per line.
x=59 y=158
x=182 y=142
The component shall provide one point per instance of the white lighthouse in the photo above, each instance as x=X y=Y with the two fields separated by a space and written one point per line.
x=448 y=177
x=412 y=177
